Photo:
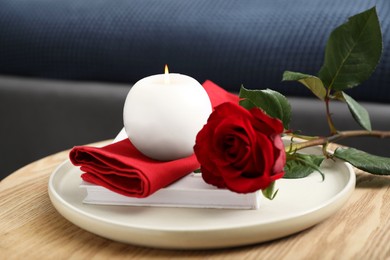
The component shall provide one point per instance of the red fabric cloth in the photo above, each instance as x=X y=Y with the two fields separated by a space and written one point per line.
x=121 y=168
x=218 y=95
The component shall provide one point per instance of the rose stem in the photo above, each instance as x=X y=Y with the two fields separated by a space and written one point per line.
x=329 y=119
x=338 y=136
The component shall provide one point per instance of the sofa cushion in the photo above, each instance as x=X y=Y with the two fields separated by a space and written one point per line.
x=230 y=42
x=41 y=117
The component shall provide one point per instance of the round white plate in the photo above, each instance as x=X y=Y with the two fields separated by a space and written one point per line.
x=299 y=204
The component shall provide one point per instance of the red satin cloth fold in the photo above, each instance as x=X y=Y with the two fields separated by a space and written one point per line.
x=121 y=168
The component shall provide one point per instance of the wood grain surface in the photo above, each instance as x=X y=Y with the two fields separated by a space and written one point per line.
x=31 y=228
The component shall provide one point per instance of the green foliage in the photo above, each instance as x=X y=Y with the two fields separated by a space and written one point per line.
x=358 y=112
x=270 y=192
x=364 y=161
x=352 y=52
x=302 y=165
x=271 y=102
x=311 y=82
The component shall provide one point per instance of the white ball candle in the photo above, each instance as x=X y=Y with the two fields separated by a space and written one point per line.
x=163 y=114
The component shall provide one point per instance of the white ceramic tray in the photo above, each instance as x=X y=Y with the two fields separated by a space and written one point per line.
x=300 y=204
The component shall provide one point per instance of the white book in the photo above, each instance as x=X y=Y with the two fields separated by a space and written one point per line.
x=189 y=192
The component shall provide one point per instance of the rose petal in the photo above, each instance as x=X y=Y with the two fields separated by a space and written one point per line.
x=242 y=184
x=248 y=185
x=240 y=149
x=271 y=123
x=280 y=155
x=211 y=178
x=234 y=139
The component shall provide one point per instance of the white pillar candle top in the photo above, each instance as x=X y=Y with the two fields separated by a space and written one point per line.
x=163 y=114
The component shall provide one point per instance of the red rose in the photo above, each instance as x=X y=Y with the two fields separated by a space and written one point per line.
x=240 y=149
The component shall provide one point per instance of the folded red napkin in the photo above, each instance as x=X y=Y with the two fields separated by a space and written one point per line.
x=121 y=168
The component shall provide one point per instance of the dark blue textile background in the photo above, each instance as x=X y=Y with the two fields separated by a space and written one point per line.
x=230 y=42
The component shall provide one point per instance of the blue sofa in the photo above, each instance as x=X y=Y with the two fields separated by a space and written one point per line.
x=66 y=66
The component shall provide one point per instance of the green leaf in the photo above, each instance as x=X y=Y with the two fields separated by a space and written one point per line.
x=352 y=52
x=364 y=161
x=302 y=165
x=311 y=82
x=246 y=103
x=270 y=192
x=358 y=112
x=271 y=102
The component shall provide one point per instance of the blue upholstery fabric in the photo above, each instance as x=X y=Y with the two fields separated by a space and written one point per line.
x=230 y=42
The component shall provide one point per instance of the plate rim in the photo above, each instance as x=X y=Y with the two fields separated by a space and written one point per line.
x=65 y=208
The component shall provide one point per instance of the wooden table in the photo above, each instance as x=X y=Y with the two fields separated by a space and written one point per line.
x=30 y=227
